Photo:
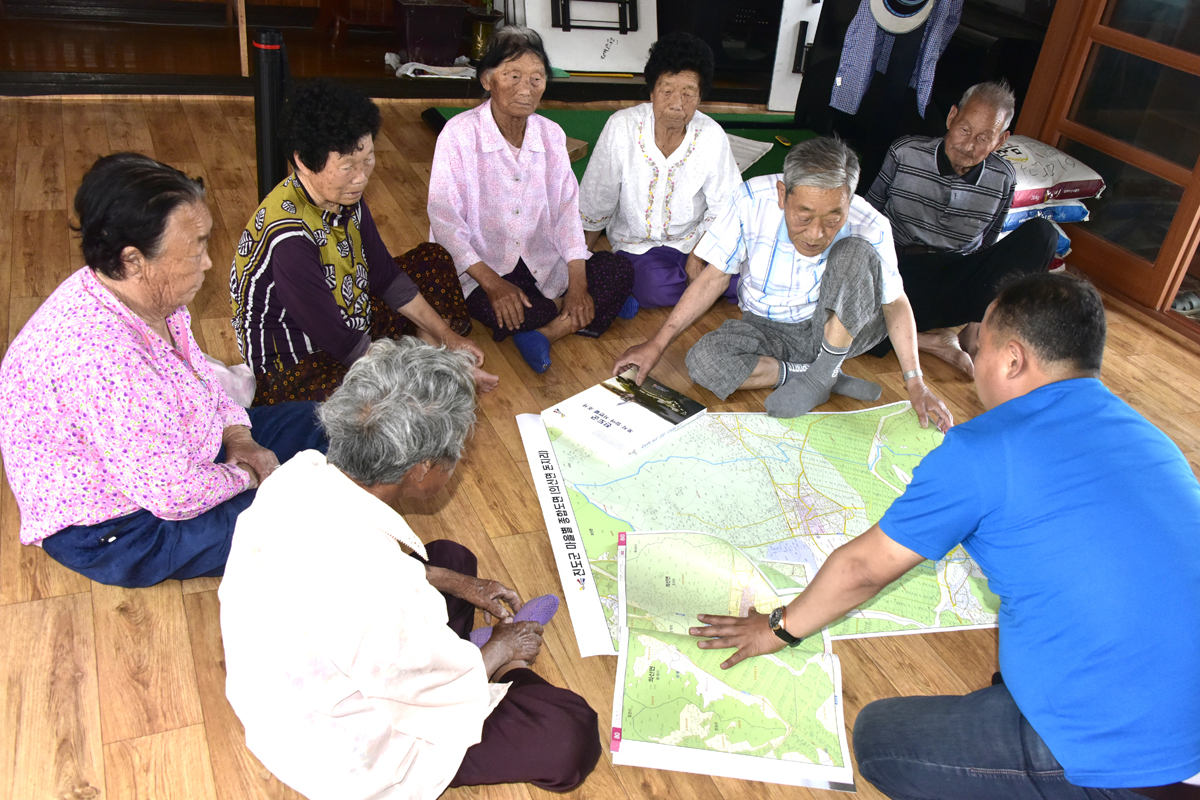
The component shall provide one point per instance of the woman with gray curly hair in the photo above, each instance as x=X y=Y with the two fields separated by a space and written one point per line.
x=351 y=663
x=312 y=283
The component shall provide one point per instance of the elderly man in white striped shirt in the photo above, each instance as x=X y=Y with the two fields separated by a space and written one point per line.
x=818 y=285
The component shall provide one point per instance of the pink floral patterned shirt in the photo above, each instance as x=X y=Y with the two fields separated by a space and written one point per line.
x=103 y=418
x=487 y=204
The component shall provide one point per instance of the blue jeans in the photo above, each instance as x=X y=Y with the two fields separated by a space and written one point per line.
x=139 y=549
x=979 y=746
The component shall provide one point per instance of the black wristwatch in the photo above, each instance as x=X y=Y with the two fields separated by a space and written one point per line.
x=776 y=623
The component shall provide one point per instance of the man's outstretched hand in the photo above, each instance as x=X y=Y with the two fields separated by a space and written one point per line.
x=751 y=635
x=643 y=357
x=928 y=405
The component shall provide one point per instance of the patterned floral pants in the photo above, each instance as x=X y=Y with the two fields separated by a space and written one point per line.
x=317 y=375
x=610 y=282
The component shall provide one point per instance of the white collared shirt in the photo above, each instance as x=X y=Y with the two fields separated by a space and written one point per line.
x=644 y=199
x=750 y=238
x=340 y=664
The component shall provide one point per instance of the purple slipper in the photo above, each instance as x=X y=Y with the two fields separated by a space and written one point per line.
x=540 y=610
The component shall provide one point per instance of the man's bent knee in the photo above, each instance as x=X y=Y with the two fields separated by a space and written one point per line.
x=708 y=367
x=877 y=730
x=854 y=255
x=874 y=728
x=850 y=286
x=1042 y=232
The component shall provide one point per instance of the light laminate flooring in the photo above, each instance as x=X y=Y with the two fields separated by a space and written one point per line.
x=116 y=693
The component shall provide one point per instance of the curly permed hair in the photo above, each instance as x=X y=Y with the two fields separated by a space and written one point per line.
x=321 y=117
x=677 y=52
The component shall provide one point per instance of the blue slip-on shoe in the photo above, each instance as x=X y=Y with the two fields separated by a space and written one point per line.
x=630 y=309
x=534 y=347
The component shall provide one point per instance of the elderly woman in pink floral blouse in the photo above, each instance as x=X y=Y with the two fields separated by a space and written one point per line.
x=129 y=462
x=504 y=202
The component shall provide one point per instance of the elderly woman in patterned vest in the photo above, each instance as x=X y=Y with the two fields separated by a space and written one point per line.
x=312 y=283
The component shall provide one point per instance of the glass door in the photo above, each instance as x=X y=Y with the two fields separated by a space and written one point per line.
x=1118 y=87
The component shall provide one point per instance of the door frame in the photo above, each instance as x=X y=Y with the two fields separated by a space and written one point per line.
x=1075 y=27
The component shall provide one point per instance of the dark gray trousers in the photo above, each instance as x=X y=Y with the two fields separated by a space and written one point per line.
x=850 y=289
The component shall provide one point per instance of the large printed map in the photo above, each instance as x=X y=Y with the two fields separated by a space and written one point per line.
x=776 y=718
x=783 y=492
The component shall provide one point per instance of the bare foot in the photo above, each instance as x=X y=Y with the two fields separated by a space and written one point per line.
x=485 y=381
x=511 y=665
x=557 y=328
x=944 y=344
x=968 y=338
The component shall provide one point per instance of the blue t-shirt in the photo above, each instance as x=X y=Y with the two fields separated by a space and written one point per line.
x=1086 y=520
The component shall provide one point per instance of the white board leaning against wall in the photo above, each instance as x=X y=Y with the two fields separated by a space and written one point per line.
x=585 y=49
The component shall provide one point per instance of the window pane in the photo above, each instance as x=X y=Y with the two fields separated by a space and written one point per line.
x=1172 y=22
x=1143 y=103
x=1135 y=210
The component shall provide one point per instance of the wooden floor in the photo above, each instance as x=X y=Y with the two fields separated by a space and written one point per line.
x=116 y=693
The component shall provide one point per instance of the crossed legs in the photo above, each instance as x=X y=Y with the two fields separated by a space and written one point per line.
x=802 y=359
x=951 y=289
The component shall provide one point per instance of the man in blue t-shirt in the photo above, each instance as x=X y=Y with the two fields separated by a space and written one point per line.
x=1084 y=517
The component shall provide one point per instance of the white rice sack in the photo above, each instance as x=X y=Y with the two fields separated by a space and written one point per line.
x=1045 y=173
x=1058 y=211
x=1061 y=249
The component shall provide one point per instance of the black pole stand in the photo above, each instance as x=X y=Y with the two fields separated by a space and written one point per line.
x=270 y=67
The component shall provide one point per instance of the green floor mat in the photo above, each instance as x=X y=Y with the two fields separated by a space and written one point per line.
x=586 y=124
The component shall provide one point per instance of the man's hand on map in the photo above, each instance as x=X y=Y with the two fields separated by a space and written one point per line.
x=926 y=403
x=751 y=635
x=490 y=596
x=643 y=356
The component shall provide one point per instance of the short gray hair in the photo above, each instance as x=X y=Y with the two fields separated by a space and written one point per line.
x=825 y=162
x=402 y=403
x=509 y=42
x=994 y=94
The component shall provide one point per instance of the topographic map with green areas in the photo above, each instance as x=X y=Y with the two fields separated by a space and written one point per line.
x=784 y=493
x=675 y=708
